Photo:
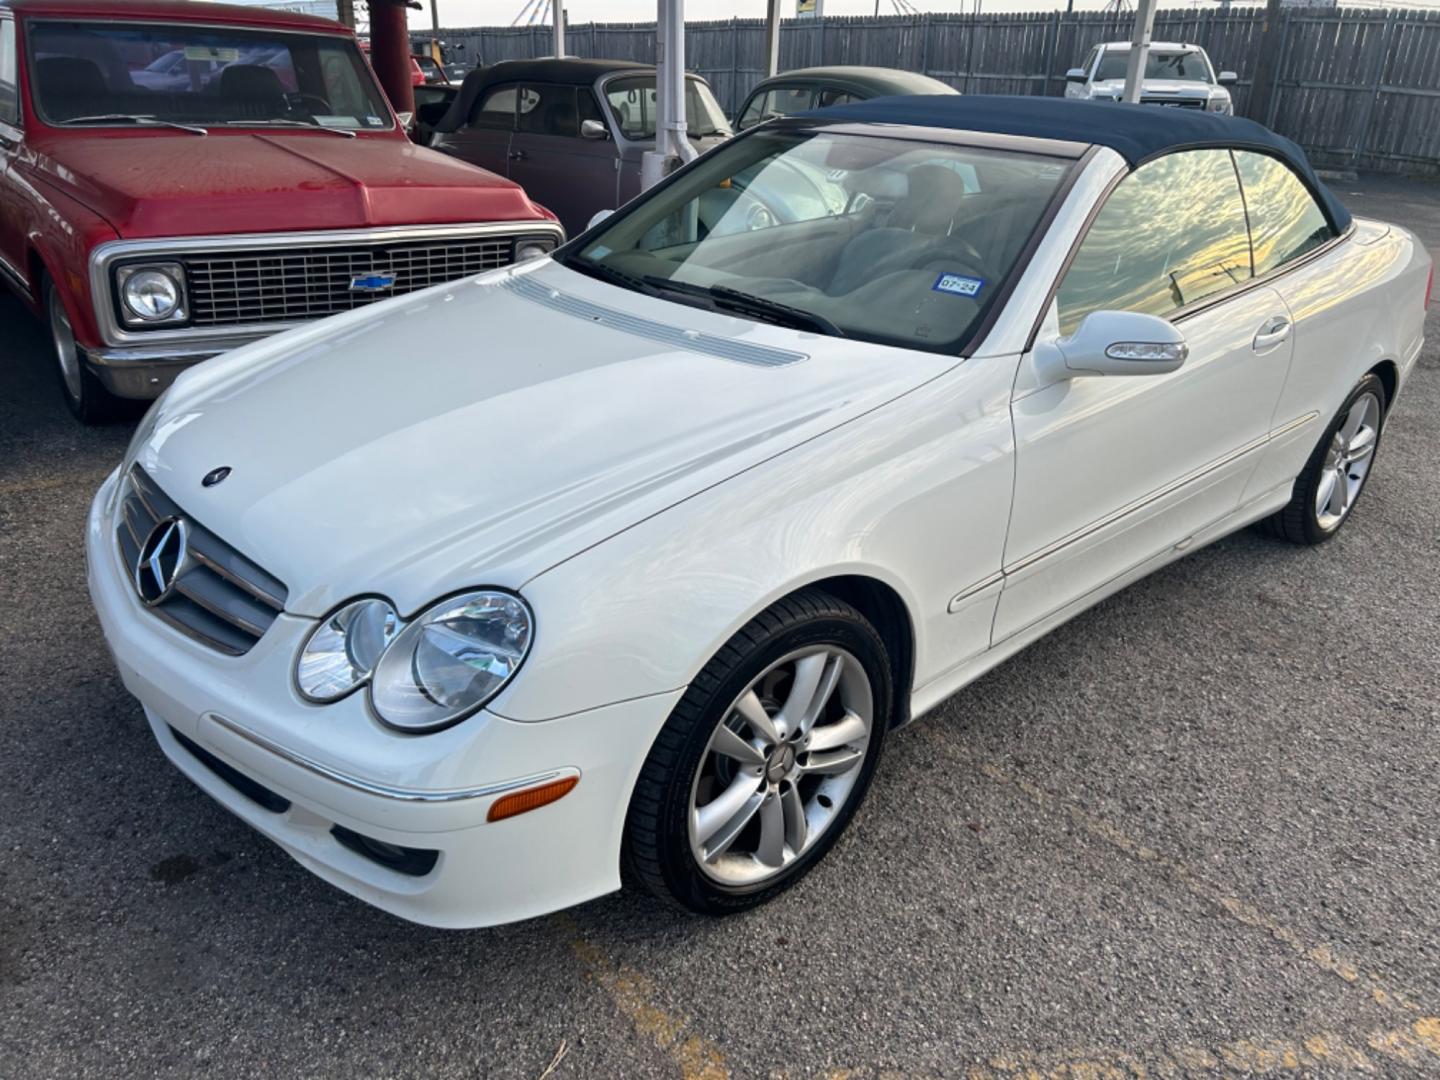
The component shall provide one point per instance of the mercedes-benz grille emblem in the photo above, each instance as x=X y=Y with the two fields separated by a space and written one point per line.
x=164 y=556
x=214 y=476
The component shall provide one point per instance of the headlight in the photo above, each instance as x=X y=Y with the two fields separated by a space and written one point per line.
x=1221 y=106
x=344 y=649
x=451 y=660
x=532 y=249
x=151 y=294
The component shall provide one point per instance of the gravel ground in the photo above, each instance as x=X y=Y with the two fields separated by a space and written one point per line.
x=1191 y=833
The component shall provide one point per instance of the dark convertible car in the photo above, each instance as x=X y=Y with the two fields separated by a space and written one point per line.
x=571 y=132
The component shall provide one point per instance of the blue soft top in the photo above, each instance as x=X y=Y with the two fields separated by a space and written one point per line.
x=1135 y=132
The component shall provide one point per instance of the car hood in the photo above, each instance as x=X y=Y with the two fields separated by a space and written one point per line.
x=159 y=184
x=482 y=432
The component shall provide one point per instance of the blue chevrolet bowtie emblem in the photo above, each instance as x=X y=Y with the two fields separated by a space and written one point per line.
x=372 y=282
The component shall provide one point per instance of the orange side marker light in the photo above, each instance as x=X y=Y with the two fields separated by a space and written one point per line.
x=522 y=802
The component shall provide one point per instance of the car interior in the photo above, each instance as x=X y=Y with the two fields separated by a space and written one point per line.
x=904 y=247
x=80 y=73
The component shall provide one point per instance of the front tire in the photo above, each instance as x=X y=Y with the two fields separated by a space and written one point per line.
x=1330 y=484
x=764 y=760
x=88 y=401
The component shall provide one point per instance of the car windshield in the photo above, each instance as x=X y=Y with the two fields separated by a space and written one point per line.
x=86 y=73
x=1188 y=65
x=632 y=100
x=883 y=239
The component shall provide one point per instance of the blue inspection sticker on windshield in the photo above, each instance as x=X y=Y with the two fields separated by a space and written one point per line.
x=958 y=285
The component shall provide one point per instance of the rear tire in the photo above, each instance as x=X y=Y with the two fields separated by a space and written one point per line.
x=1332 y=481
x=788 y=723
x=88 y=400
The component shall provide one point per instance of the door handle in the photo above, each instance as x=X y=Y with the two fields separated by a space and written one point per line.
x=1272 y=332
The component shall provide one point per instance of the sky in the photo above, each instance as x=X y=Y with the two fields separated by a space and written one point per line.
x=502 y=12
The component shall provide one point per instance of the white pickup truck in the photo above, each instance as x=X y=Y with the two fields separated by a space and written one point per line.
x=1176 y=74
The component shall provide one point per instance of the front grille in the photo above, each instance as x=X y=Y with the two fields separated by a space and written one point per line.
x=215 y=594
x=278 y=285
x=1182 y=103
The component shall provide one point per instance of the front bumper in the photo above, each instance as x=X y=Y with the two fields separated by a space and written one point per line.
x=343 y=775
x=144 y=372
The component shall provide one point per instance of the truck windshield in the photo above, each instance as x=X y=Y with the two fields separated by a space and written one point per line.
x=882 y=239
x=1186 y=66
x=200 y=76
x=632 y=100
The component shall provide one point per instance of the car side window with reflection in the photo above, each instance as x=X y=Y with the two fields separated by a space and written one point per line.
x=496 y=109
x=548 y=110
x=834 y=97
x=1172 y=233
x=1285 y=220
x=9 y=80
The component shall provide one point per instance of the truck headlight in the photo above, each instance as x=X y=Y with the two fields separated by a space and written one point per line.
x=532 y=248
x=1222 y=106
x=151 y=294
x=451 y=659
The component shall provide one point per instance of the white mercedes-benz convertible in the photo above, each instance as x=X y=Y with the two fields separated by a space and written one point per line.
x=640 y=558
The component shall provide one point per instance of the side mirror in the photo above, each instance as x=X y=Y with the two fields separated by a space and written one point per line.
x=593 y=129
x=1075 y=75
x=1116 y=343
x=1228 y=78
x=600 y=215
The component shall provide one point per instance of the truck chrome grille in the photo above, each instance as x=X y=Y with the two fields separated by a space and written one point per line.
x=280 y=285
x=216 y=595
x=1174 y=103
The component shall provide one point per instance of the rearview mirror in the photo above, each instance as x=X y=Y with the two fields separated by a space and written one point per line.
x=1117 y=343
x=1075 y=75
x=1228 y=78
x=593 y=129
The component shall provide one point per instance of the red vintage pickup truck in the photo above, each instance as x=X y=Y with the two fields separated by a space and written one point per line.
x=179 y=178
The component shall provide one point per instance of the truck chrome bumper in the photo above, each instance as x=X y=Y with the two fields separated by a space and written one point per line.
x=143 y=372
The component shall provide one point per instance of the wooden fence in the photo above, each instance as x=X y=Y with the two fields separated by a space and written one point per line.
x=1357 y=88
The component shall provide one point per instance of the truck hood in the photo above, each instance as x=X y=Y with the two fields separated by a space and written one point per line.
x=161 y=184
x=481 y=432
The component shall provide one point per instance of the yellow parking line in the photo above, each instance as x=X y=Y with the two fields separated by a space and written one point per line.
x=634 y=995
x=1381 y=990
x=1416 y=1044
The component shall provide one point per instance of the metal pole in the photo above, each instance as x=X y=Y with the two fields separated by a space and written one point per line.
x=559 y=13
x=672 y=143
x=435 y=15
x=772 y=38
x=1139 y=48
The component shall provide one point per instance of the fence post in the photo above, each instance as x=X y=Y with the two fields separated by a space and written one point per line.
x=1050 y=53
x=1266 y=69
x=1387 y=36
x=1277 y=91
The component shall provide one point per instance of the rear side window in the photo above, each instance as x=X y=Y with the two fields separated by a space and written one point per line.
x=1171 y=234
x=496 y=109
x=548 y=110
x=834 y=97
x=9 y=78
x=1285 y=220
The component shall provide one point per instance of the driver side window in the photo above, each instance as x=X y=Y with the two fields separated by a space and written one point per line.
x=1172 y=233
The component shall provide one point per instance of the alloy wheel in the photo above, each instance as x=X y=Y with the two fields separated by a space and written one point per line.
x=780 y=766
x=1347 y=462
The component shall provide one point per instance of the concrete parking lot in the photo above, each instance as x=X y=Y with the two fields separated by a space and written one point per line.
x=1194 y=832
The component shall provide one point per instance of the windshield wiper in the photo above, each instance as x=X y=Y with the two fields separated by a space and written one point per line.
x=126 y=118
x=725 y=298
x=609 y=273
x=772 y=311
x=281 y=122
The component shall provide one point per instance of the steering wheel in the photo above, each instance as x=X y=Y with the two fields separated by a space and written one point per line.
x=299 y=97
